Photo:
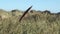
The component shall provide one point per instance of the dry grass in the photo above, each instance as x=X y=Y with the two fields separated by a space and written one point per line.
x=42 y=23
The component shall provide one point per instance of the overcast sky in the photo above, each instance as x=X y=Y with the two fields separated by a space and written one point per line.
x=52 y=5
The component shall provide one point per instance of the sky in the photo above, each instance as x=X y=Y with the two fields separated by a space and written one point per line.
x=51 y=5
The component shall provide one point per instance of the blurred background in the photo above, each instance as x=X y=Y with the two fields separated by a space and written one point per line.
x=51 y=5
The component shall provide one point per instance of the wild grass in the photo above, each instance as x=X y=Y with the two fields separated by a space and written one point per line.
x=33 y=24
